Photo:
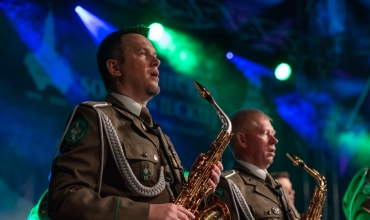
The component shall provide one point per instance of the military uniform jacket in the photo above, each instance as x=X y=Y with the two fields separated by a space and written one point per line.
x=261 y=198
x=76 y=176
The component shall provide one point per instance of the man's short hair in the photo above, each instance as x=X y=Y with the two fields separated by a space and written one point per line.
x=277 y=175
x=112 y=47
x=243 y=119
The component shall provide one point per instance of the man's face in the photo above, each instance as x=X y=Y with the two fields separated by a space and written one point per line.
x=287 y=186
x=260 y=142
x=140 y=68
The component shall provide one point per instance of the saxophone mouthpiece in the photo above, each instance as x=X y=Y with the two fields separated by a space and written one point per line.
x=203 y=92
x=296 y=160
x=290 y=156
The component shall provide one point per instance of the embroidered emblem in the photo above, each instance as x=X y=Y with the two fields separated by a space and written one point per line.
x=155 y=157
x=275 y=210
x=145 y=174
x=76 y=131
x=220 y=193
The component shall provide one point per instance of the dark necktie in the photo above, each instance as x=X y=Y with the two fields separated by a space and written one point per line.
x=144 y=114
x=278 y=190
x=270 y=180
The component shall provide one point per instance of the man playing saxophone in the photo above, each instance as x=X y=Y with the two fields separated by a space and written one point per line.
x=115 y=163
x=248 y=190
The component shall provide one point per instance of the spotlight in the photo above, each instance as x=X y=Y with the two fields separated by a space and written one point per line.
x=156 y=31
x=229 y=55
x=283 y=71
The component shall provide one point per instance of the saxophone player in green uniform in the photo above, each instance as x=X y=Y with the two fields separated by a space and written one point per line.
x=114 y=162
x=249 y=190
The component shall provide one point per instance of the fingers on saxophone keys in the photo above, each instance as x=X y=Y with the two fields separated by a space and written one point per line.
x=185 y=214
x=211 y=186
x=220 y=166
x=215 y=176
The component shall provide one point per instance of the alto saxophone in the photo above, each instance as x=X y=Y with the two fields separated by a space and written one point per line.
x=196 y=188
x=314 y=211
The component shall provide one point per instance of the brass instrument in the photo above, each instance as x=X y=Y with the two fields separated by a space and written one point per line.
x=314 y=211
x=196 y=188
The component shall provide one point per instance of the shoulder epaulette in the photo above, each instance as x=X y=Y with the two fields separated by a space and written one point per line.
x=97 y=104
x=228 y=173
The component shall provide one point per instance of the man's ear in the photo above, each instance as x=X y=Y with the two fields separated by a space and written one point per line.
x=241 y=139
x=113 y=67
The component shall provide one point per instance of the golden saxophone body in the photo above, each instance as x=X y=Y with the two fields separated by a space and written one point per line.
x=314 y=211
x=196 y=188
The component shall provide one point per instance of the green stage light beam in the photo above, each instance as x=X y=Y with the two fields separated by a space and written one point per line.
x=180 y=50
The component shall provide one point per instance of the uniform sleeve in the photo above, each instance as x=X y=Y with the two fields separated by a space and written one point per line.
x=75 y=177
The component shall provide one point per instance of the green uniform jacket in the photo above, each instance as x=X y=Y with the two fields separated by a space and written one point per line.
x=262 y=200
x=356 y=200
x=75 y=174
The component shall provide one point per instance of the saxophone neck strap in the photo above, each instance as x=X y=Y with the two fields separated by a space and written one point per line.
x=285 y=204
x=171 y=159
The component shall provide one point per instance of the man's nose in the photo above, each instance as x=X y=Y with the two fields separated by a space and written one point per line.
x=156 y=62
x=273 y=140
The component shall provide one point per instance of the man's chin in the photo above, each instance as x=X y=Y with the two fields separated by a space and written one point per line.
x=153 y=90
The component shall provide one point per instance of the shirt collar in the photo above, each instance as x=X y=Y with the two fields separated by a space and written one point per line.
x=131 y=105
x=261 y=173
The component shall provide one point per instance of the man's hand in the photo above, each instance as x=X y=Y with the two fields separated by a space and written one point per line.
x=214 y=177
x=169 y=211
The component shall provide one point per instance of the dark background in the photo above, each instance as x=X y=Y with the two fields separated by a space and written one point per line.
x=321 y=112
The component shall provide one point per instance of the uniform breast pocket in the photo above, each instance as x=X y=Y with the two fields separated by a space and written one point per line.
x=267 y=212
x=144 y=162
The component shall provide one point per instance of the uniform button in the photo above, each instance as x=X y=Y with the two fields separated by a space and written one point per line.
x=155 y=157
x=269 y=212
x=144 y=154
x=275 y=210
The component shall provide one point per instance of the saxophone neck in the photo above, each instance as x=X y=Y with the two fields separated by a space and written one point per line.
x=204 y=93
x=226 y=123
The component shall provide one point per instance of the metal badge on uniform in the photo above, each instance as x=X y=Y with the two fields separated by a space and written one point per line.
x=76 y=130
x=275 y=210
x=145 y=174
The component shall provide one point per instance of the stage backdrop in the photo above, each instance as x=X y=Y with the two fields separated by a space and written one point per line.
x=47 y=67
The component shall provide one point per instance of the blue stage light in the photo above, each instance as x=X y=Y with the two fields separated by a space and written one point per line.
x=229 y=55
x=97 y=27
